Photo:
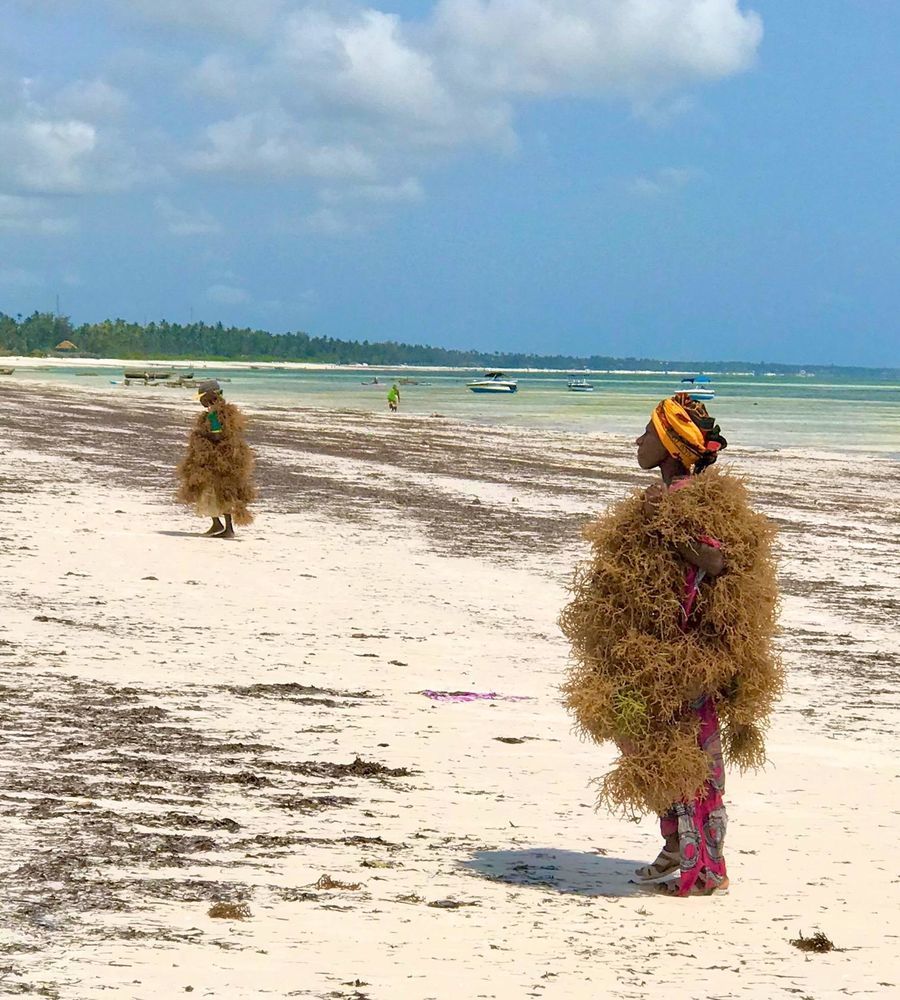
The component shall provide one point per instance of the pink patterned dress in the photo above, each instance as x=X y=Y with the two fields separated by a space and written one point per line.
x=701 y=822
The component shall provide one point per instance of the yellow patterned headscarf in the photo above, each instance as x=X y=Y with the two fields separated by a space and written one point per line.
x=681 y=437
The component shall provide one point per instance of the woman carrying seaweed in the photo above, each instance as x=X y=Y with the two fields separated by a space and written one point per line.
x=216 y=474
x=671 y=624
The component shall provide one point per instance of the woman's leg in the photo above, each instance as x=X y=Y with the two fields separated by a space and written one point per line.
x=701 y=823
x=668 y=860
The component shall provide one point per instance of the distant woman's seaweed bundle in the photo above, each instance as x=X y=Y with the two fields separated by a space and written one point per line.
x=637 y=669
x=218 y=473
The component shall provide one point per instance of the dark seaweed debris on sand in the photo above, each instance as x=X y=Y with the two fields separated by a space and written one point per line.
x=818 y=943
x=229 y=911
x=303 y=694
x=359 y=768
x=113 y=789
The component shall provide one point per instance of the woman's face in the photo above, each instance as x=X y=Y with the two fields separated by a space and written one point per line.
x=650 y=450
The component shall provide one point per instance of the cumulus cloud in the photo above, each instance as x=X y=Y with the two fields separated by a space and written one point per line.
x=179 y=222
x=54 y=142
x=365 y=62
x=91 y=99
x=351 y=98
x=595 y=47
x=271 y=142
x=227 y=295
x=45 y=154
x=350 y=90
x=33 y=216
x=218 y=76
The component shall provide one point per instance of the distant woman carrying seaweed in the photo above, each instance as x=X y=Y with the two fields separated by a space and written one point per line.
x=671 y=624
x=216 y=474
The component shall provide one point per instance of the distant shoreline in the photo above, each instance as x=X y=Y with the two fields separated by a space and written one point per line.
x=232 y=365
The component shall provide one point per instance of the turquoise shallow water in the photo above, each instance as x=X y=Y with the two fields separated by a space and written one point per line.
x=760 y=412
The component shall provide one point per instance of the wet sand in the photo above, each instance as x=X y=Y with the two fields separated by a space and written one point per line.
x=189 y=722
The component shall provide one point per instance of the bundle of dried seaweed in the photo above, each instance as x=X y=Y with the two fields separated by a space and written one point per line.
x=216 y=476
x=637 y=668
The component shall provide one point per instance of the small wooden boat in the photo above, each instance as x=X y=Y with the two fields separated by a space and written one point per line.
x=6 y=371
x=158 y=374
x=580 y=385
x=148 y=374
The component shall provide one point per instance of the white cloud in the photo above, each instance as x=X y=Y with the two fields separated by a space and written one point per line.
x=48 y=149
x=408 y=190
x=218 y=76
x=273 y=143
x=227 y=295
x=595 y=47
x=363 y=62
x=91 y=99
x=351 y=98
x=355 y=92
x=33 y=216
x=47 y=155
x=663 y=181
x=179 y=222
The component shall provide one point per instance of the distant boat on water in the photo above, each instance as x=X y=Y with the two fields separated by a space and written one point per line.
x=580 y=385
x=157 y=374
x=6 y=371
x=701 y=391
x=493 y=382
x=149 y=374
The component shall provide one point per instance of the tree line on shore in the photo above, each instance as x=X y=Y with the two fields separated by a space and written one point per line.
x=39 y=334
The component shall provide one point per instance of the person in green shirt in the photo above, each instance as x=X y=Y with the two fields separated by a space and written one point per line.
x=393 y=398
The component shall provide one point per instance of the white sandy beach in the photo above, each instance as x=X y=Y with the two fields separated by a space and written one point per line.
x=161 y=754
x=31 y=364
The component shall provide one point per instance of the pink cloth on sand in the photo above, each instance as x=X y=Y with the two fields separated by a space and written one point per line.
x=459 y=696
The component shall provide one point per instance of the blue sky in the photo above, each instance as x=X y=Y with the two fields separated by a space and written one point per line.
x=666 y=178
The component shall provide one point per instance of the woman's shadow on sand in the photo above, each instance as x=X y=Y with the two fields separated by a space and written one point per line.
x=561 y=871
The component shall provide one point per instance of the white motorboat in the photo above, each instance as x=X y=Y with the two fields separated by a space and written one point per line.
x=493 y=382
x=700 y=389
x=580 y=385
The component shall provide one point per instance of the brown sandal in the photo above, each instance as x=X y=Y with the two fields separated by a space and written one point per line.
x=666 y=862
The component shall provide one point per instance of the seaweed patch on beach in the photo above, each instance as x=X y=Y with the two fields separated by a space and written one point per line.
x=101 y=780
x=817 y=943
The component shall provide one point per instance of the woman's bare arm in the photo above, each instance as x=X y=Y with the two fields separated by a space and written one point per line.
x=705 y=557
